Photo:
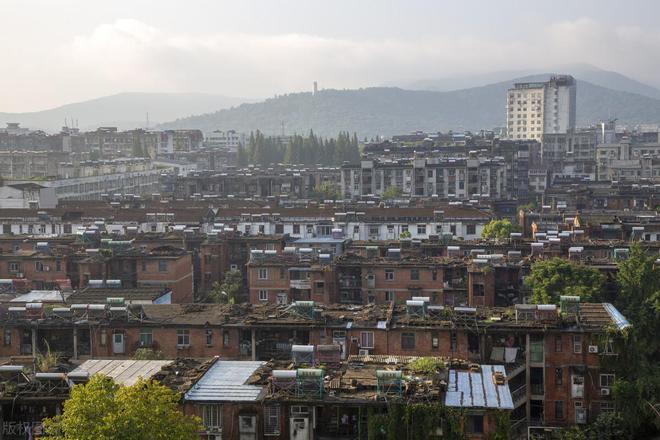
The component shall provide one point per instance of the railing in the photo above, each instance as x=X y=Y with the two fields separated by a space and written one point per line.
x=519 y=395
x=518 y=429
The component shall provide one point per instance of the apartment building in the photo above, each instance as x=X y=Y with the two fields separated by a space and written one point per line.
x=459 y=178
x=229 y=140
x=538 y=108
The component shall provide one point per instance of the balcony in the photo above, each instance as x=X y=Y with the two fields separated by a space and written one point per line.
x=300 y=284
x=537 y=389
x=519 y=396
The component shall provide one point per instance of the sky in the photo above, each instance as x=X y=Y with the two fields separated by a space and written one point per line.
x=56 y=52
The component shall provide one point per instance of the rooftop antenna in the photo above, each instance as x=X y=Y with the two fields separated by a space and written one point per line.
x=65 y=124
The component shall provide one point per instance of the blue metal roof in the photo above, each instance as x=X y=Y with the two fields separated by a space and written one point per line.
x=619 y=320
x=477 y=389
x=225 y=382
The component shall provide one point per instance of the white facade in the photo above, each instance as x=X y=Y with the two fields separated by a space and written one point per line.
x=538 y=108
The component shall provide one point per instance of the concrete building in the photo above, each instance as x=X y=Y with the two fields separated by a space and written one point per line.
x=538 y=108
x=229 y=139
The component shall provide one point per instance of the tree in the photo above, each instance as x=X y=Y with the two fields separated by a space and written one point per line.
x=392 y=192
x=328 y=190
x=241 y=156
x=103 y=410
x=498 y=229
x=230 y=291
x=637 y=385
x=549 y=279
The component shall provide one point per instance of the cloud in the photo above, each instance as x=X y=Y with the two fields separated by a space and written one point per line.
x=130 y=55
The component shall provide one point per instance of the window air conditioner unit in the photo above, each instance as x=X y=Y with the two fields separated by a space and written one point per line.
x=364 y=352
x=593 y=349
x=604 y=391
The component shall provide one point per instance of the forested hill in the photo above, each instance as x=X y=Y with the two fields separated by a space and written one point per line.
x=388 y=110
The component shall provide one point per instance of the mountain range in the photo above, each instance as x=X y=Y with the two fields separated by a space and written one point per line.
x=470 y=102
x=391 y=110
x=123 y=110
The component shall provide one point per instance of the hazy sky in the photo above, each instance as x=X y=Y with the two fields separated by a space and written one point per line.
x=61 y=51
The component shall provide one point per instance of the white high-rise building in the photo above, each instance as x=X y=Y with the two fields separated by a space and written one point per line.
x=538 y=108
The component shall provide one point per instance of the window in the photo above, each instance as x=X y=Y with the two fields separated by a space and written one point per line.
x=407 y=341
x=453 y=341
x=577 y=343
x=389 y=295
x=471 y=229
x=356 y=229
x=162 y=265
x=475 y=424
x=263 y=295
x=271 y=420
x=559 y=409
x=212 y=417
x=146 y=337
x=558 y=347
x=606 y=380
x=67 y=228
x=478 y=290
x=296 y=229
x=225 y=338
x=14 y=266
x=263 y=274
x=421 y=229
x=389 y=274
x=435 y=340
x=404 y=228
x=373 y=230
x=183 y=337
x=209 y=337
x=367 y=339
x=262 y=229
x=247 y=229
x=606 y=407
x=559 y=376
x=39 y=266
x=414 y=274
x=310 y=229
x=279 y=229
x=58 y=265
x=7 y=335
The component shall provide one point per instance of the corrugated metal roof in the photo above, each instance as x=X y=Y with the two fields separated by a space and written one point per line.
x=619 y=320
x=225 y=382
x=477 y=389
x=123 y=372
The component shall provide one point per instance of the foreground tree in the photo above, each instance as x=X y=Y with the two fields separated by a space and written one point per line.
x=103 y=410
x=498 y=229
x=637 y=385
x=549 y=279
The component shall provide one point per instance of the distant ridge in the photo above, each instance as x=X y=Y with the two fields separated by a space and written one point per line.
x=390 y=110
x=125 y=110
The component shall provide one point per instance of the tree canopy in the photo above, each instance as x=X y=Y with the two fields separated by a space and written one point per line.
x=308 y=150
x=498 y=229
x=392 y=192
x=637 y=385
x=103 y=410
x=230 y=290
x=549 y=279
